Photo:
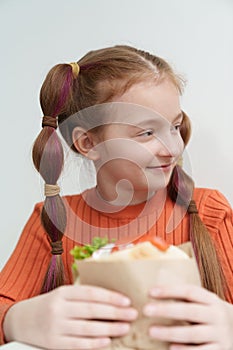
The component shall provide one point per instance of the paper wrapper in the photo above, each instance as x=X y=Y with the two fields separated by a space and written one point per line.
x=133 y=278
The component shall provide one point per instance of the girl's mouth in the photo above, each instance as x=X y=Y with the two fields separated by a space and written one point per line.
x=164 y=167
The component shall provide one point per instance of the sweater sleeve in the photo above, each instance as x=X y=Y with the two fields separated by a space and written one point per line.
x=217 y=214
x=22 y=276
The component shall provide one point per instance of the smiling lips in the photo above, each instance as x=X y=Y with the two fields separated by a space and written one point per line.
x=161 y=167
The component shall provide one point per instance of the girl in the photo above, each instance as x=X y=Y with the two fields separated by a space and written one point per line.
x=118 y=107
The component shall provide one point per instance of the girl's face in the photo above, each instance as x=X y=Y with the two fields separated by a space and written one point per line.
x=139 y=148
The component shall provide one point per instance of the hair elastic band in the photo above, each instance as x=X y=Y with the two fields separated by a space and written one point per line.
x=51 y=190
x=192 y=208
x=75 y=69
x=57 y=248
x=180 y=161
x=49 y=121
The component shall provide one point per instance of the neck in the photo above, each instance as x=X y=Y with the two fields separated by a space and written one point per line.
x=123 y=194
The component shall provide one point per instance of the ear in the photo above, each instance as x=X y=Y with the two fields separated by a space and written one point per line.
x=84 y=141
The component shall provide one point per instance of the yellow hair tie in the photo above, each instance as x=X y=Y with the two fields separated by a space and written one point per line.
x=51 y=190
x=75 y=69
x=180 y=161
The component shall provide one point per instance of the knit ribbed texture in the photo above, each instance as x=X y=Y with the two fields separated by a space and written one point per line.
x=22 y=276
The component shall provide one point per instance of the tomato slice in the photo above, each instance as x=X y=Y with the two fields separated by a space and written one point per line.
x=121 y=247
x=158 y=242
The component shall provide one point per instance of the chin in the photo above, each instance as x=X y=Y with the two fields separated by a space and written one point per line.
x=158 y=182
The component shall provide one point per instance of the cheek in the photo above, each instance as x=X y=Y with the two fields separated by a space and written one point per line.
x=124 y=149
x=176 y=144
x=179 y=145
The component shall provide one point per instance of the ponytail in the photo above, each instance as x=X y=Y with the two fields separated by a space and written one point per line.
x=180 y=190
x=48 y=158
x=209 y=266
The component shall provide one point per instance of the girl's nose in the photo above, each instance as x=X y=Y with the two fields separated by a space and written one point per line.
x=164 y=151
x=169 y=147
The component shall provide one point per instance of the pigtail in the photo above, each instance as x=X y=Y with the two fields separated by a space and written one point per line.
x=48 y=158
x=180 y=190
x=207 y=258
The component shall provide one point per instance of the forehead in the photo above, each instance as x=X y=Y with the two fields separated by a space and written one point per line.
x=159 y=99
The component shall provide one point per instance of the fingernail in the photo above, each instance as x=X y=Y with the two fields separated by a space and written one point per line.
x=125 y=328
x=105 y=341
x=149 y=310
x=154 y=332
x=125 y=301
x=155 y=292
x=132 y=314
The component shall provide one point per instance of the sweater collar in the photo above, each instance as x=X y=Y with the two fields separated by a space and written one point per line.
x=154 y=204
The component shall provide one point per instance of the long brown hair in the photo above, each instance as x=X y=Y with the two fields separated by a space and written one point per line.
x=104 y=75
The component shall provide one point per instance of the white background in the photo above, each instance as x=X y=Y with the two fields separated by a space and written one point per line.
x=194 y=36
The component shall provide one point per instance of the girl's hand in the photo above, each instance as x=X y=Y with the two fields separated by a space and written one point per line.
x=211 y=319
x=70 y=317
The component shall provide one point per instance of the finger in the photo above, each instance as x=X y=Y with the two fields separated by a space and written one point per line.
x=210 y=346
x=82 y=343
x=92 y=310
x=184 y=311
x=195 y=334
x=85 y=328
x=185 y=292
x=91 y=293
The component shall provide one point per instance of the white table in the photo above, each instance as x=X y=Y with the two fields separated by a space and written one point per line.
x=17 y=346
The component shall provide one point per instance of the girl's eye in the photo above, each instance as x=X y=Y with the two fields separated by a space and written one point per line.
x=176 y=127
x=147 y=133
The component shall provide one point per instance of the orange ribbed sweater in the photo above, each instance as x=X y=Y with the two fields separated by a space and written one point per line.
x=22 y=276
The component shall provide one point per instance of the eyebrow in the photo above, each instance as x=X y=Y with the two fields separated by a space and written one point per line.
x=151 y=120
x=180 y=115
